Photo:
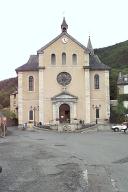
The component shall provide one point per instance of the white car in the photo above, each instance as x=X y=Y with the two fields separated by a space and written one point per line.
x=118 y=127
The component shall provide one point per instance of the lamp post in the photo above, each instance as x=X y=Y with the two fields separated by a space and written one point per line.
x=96 y=107
x=35 y=108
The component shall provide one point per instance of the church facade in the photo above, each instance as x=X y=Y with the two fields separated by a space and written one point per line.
x=64 y=82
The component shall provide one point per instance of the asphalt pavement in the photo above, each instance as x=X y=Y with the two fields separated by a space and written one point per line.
x=49 y=161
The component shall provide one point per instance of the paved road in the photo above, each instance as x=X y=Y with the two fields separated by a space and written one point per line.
x=45 y=161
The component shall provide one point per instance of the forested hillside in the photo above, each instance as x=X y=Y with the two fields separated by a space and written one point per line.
x=7 y=87
x=115 y=56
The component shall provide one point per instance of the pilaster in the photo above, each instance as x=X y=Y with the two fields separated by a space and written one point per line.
x=41 y=95
x=20 y=98
x=86 y=59
x=107 y=94
x=41 y=59
x=87 y=96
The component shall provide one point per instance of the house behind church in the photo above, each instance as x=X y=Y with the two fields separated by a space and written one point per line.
x=122 y=84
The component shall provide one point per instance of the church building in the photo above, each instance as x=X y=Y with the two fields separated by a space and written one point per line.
x=64 y=82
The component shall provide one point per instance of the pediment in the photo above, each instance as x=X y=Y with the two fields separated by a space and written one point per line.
x=64 y=96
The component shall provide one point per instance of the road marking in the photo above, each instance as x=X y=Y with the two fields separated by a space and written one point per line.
x=114 y=185
x=85 y=176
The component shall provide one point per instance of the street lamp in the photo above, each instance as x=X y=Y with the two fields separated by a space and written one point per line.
x=35 y=108
x=96 y=107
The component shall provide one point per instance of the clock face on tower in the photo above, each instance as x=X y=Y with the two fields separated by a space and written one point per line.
x=64 y=78
x=64 y=39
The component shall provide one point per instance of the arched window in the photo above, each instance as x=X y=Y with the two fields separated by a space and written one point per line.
x=74 y=59
x=53 y=59
x=31 y=115
x=97 y=112
x=31 y=83
x=96 y=81
x=63 y=58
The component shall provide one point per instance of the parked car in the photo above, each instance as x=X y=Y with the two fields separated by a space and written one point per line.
x=122 y=127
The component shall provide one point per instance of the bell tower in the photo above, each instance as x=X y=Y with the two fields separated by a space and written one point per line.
x=64 y=26
x=89 y=47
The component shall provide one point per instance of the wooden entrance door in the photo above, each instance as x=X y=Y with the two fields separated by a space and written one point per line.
x=64 y=113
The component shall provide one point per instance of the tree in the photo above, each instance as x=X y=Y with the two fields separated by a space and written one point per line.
x=118 y=113
x=9 y=114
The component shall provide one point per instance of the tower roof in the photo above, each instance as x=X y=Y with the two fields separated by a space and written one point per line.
x=31 y=65
x=64 y=26
x=89 y=47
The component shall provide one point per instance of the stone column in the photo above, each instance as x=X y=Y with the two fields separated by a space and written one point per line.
x=41 y=95
x=75 y=115
x=87 y=95
x=54 y=112
x=72 y=111
x=107 y=97
x=20 y=98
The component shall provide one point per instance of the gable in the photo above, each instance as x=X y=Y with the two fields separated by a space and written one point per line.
x=64 y=45
x=65 y=39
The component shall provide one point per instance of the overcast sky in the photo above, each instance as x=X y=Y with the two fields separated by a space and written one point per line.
x=27 y=25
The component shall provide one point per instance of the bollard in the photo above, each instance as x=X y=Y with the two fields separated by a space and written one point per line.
x=4 y=130
x=0 y=169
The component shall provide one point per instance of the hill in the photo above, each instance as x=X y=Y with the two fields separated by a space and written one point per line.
x=115 y=56
x=7 y=87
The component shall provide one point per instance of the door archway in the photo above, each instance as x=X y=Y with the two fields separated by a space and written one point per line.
x=64 y=113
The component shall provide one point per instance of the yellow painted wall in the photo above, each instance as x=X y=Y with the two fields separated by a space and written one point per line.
x=76 y=87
